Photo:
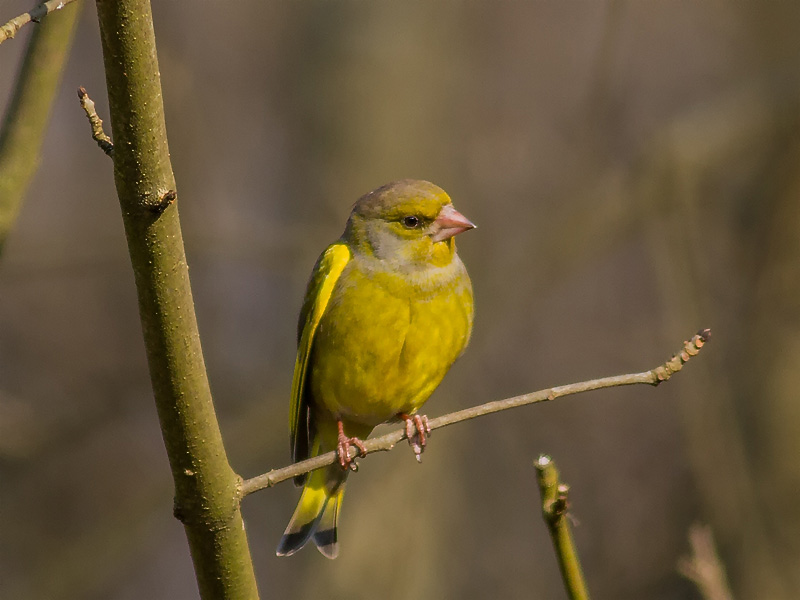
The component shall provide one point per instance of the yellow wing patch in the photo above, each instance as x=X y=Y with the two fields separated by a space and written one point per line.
x=326 y=273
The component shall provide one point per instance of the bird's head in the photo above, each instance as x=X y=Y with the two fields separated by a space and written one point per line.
x=409 y=222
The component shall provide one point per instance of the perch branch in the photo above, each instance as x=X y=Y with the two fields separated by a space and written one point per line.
x=10 y=29
x=388 y=441
x=555 y=505
x=98 y=135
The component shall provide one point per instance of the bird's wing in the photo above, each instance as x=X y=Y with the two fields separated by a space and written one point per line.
x=320 y=288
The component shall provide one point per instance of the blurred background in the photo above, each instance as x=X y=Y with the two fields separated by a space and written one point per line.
x=633 y=169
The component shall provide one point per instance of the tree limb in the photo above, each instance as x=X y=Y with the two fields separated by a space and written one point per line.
x=10 y=29
x=554 y=510
x=388 y=441
x=206 y=487
x=28 y=113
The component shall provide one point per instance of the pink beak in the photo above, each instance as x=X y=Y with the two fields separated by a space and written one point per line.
x=450 y=222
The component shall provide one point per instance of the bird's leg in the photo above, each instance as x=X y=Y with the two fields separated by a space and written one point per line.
x=417 y=432
x=343 y=449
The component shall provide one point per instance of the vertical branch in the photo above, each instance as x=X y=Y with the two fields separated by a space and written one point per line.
x=554 y=510
x=206 y=488
x=28 y=113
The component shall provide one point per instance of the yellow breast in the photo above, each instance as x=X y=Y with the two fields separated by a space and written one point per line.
x=386 y=341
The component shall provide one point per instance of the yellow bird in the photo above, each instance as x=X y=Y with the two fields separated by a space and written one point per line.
x=387 y=311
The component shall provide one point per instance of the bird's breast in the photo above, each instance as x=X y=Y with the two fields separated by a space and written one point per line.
x=385 y=343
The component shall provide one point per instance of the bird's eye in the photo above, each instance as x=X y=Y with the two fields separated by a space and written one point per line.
x=411 y=221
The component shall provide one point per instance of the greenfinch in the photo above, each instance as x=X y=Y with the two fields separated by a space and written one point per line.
x=387 y=311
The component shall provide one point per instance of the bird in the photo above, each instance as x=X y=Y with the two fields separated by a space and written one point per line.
x=387 y=310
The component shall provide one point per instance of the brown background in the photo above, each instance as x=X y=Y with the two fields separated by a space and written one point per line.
x=633 y=169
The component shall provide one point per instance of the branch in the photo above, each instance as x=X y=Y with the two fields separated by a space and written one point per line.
x=387 y=442
x=96 y=123
x=28 y=113
x=10 y=29
x=554 y=510
x=703 y=566
x=206 y=487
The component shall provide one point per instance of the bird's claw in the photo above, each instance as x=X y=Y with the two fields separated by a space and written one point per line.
x=343 y=450
x=417 y=432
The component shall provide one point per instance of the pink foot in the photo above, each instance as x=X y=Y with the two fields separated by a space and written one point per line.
x=343 y=449
x=417 y=432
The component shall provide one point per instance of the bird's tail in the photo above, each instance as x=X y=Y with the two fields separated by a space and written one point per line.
x=316 y=514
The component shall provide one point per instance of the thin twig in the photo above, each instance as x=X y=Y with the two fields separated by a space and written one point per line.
x=10 y=29
x=98 y=135
x=388 y=441
x=555 y=505
x=704 y=566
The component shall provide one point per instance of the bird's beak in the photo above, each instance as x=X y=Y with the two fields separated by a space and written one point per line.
x=450 y=222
